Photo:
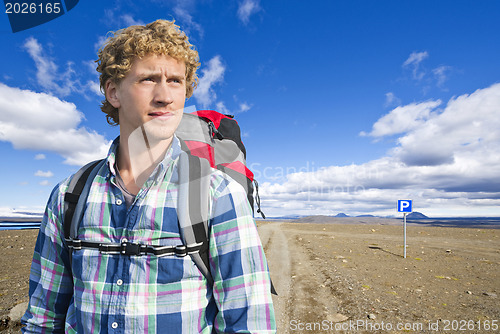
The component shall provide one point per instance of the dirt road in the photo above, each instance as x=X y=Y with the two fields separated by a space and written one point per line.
x=276 y=248
x=302 y=294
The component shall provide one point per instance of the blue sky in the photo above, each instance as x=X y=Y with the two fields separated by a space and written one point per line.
x=345 y=106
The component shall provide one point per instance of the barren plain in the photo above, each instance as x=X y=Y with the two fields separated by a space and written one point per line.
x=347 y=278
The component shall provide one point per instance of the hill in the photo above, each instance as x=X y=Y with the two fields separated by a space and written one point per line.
x=416 y=215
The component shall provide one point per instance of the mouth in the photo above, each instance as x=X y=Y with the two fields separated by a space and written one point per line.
x=160 y=114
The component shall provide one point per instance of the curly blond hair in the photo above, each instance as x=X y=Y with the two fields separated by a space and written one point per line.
x=160 y=37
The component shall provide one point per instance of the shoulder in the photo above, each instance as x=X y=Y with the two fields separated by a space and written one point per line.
x=58 y=192
x=54 y=210
x=229 y=197
x=222 y=184
x=56 y=198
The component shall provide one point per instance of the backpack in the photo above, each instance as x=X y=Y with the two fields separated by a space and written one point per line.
x=208 y=140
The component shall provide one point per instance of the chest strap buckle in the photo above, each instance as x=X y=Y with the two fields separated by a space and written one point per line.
x=130 y=248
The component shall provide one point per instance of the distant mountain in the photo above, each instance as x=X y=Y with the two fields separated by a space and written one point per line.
x=341 y=215
x=365 y=216
x=417 y=215
x=20 y=215
x=37 y=214
x=282 y=217
x=315 y=219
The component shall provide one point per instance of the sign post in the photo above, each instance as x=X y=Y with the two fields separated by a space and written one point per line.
x=404 y=206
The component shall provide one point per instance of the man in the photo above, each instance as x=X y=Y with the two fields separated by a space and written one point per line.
x=147 y=72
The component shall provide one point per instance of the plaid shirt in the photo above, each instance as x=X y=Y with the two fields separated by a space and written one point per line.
x=148 y=294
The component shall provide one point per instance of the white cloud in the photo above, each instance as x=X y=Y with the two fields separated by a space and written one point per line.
x=40 y=157
x=20 y=212
x=221 y=107
x=100 y=42
x=122 y=20
x=440 y=73
x=44 y=183
x=47 y=71
x=211 y=75
x=448 y=162
x=246 y=9
x=413 y=62
x=39 y=121
x=466 y=129
x=129 y=20
x=416 y=58
x=391 y=100
x=404 y=118
x=182 y=10
x=189 y=25
x=244 y=107
x=94 y=87
x=40 y=173
x=50 y=78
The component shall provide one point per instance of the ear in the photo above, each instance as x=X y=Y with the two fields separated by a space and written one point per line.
x=111 y=91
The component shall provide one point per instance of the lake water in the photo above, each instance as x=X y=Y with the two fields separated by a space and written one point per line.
x=18 y=225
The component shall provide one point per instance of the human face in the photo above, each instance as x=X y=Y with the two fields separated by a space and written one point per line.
x=152 y=94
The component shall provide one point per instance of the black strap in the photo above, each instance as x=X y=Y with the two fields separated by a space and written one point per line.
x=71 y=198
x=197 y=197
x=273 y=290
x=257 y=199
x=134 y=249
x=200 y=234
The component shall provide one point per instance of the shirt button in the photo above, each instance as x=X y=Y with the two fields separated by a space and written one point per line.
x=119 y=282
x=114 y=325
x=118 y=201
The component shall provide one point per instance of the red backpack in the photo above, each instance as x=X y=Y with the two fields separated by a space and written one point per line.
x=220 y=143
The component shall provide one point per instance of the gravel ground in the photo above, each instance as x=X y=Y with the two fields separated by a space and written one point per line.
x=352 y=278
x=347 y=278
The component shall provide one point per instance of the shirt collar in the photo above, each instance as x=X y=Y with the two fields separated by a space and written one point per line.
x=171 y=155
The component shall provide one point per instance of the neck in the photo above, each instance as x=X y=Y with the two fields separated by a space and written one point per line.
x=138 y=156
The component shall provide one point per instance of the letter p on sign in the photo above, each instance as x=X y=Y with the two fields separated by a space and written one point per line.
x=404 y=205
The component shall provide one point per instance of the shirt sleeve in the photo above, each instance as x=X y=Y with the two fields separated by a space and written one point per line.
x=50 y=282
x=242 y=286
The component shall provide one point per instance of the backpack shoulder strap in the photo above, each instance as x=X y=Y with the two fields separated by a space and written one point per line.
x=192 y=208
x=76 y=197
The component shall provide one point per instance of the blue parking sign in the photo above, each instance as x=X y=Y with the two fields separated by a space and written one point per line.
x=404 y=205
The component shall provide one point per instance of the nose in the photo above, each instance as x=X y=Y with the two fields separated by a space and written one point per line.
x=163 y=94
